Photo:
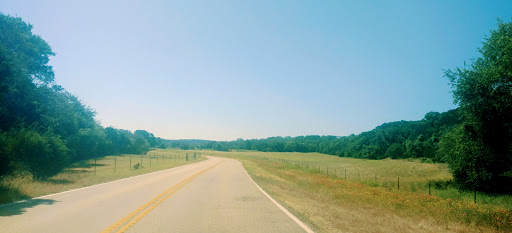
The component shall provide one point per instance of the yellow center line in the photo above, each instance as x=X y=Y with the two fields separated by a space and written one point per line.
x=149 y=206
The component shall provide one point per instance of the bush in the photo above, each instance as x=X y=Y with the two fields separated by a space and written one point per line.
x=43 y=155
x=442 y=184
x=426 y=160
x=137 y=166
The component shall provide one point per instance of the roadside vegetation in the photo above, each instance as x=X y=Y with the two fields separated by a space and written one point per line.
x=90 y=172
x=331 y=203
x=43 y=128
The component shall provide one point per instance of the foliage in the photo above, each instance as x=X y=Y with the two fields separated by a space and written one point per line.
x=483 y=90
x=402 y=139
x=44 y=128
x=137 y=166
x=43 y=155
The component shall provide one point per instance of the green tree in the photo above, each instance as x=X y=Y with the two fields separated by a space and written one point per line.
x=42 y=126
x=23 y=67
x=148 y=136
x=139 y=144
x=483 y=90
x=43 y=155
x=394 y=151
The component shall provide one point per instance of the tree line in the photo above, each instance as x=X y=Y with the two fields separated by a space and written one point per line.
x=44 y=128
x=401 y=139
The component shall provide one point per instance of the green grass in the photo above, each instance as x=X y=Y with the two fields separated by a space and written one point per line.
x=89 y=172
x=414 y=176
x=330 y=203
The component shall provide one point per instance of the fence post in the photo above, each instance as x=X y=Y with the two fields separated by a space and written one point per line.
x=115 y=163
x=186 y=157
x=399 y=183
x=130 y=162
x=140 y=160
x=475 y=195
x=150 y=160
x=94 y=165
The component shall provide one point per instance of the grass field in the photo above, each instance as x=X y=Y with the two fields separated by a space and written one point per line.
x=361 y=203
x=89 y=172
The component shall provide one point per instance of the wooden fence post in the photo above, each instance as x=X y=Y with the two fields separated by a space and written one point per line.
x=475 y=195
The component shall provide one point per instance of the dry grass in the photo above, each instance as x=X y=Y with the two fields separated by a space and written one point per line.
x=332 y=204
x=83 y=174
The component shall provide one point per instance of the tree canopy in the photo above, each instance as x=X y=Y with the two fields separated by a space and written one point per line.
x=483 y=90
x=44 y=128
x=401 y=139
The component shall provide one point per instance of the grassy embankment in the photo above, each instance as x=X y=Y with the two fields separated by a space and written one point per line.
x=369 y=199
x=86 y=173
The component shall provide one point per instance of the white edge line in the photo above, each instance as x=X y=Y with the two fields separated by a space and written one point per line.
x=295 y=219
x=100 y=184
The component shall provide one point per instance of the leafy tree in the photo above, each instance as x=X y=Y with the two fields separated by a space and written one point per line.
x=5 y=166
x=483 y=90
x=394 y=151
x=148 y=136
x=139 y=144
x=43 y=155
x=43 y=127
x=88 y=142
x=23 y=67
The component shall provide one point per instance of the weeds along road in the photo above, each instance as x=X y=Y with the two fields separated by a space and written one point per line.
x=215 y=195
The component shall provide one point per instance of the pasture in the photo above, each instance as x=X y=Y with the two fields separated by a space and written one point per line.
x=369 y=200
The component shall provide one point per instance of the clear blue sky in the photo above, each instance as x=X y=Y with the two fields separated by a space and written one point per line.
x=224 y=70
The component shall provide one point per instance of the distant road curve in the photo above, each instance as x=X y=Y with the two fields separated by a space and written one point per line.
x=215 y=195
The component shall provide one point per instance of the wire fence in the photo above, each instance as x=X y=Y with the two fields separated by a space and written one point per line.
x=153 y=160
x=423 y=186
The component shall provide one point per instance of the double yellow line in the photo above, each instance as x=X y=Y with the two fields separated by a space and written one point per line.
x=142 y=211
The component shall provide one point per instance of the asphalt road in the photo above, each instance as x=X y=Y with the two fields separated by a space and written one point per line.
x=215 y=195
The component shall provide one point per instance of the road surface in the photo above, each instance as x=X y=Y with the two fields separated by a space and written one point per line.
x=215 y=195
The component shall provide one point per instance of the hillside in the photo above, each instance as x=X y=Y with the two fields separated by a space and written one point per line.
x=400 y=139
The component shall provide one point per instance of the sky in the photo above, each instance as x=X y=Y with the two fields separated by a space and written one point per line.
x=223 y=70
